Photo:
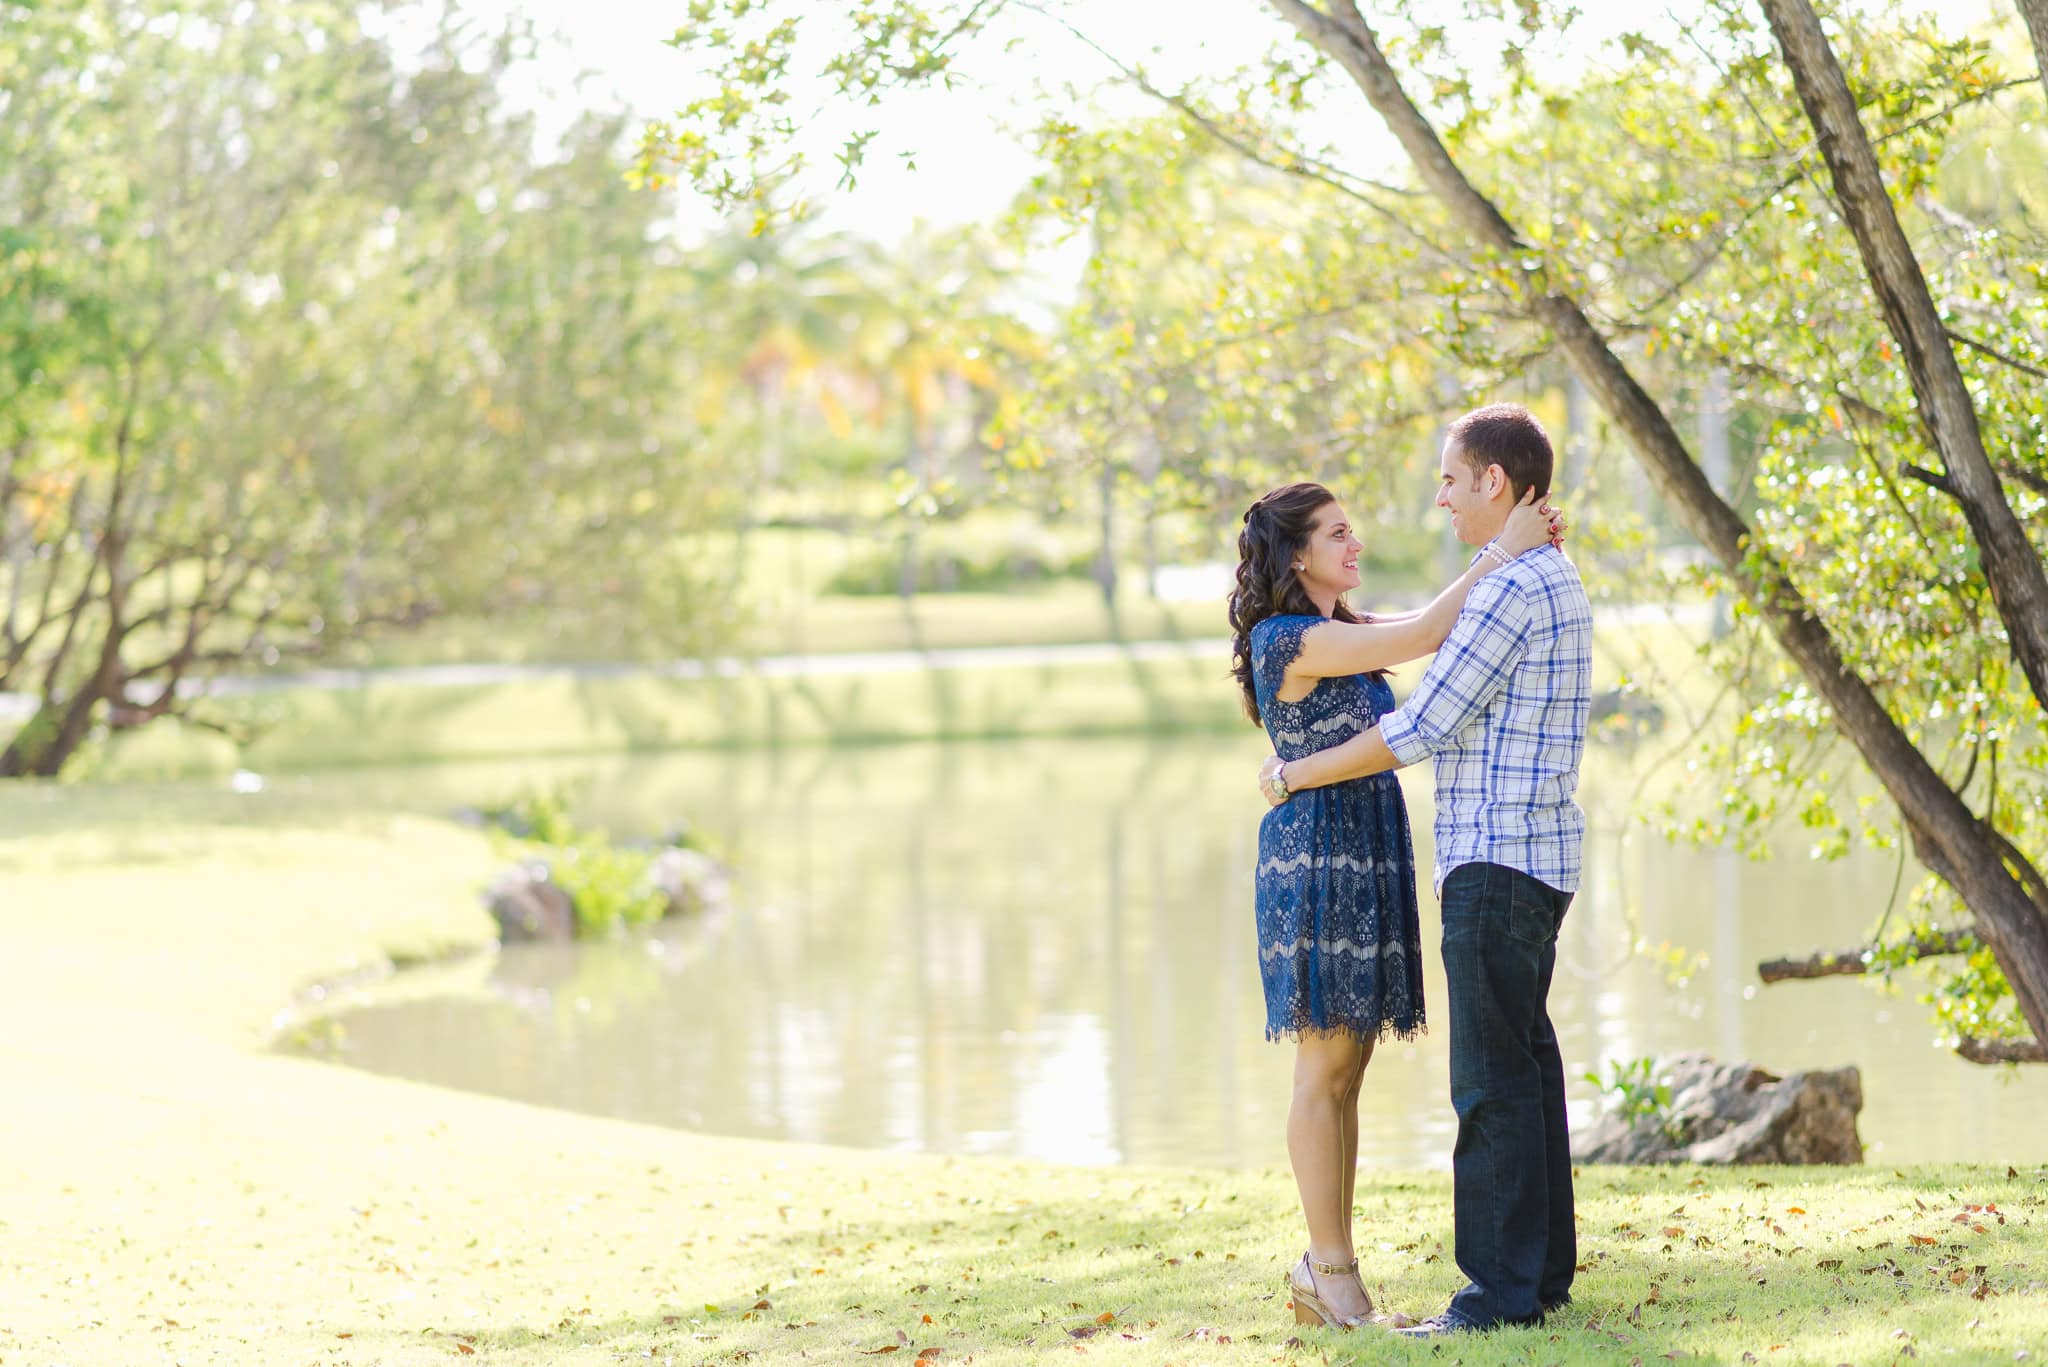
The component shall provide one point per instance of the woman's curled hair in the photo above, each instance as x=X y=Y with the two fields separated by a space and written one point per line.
x=1276 y=530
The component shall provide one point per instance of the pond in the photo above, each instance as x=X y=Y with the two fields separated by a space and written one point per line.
x=1044 y=948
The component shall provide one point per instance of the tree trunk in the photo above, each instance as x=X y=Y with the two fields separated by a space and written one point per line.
x=2035 y=12
x=2018 y=581
x=2010 y=905
x=51 y=737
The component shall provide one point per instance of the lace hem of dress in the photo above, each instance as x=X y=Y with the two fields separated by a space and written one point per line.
x=1387 y=1030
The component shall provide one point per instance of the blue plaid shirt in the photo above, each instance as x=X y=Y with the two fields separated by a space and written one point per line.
x=1503 y=708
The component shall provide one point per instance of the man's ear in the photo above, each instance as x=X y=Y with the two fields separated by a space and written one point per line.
x=1496 y=480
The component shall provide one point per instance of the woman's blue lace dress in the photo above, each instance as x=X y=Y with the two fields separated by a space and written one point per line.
x=1339 y=936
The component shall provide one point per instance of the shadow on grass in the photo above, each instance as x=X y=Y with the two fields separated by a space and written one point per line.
x=1203 y=1282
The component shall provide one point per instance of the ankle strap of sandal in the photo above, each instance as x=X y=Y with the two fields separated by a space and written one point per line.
x=1330 y=1269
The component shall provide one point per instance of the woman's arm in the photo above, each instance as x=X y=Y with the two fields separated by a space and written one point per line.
x=1365 y=753
x=1338 y=648
x=1333 y=649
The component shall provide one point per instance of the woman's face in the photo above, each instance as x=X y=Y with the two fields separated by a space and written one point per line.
x=1330 y=560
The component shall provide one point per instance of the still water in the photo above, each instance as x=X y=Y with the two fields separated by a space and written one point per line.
x=1045 y=948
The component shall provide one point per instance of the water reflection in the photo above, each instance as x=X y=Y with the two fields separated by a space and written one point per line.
x=1044 y=948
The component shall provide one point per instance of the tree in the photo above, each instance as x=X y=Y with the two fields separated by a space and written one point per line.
x=308 y=343
x=1676 y=209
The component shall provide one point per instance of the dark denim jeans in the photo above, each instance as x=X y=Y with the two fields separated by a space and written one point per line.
x=1516 y=1239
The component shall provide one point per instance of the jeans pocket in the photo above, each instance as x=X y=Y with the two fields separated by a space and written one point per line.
x=1530 y=919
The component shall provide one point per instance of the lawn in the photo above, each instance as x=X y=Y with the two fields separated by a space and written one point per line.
x=171 y=1191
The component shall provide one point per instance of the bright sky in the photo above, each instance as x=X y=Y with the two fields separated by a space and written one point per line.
x=969 y=164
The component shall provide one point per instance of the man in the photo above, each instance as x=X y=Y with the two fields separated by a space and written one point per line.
x=1503 y=710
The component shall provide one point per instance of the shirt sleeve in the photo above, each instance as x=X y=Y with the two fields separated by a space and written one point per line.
x=1488 y=640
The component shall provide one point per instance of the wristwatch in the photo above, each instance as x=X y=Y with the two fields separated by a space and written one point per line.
x=1276 y=786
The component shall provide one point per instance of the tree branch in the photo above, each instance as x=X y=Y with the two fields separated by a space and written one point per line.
x=1989 y=350
x=2002 y=1050
x=1932 y=480
x=1850 y=962
x=2027 y=477
x=1296 y=164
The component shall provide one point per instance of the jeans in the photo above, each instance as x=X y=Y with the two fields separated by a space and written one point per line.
x=1512 y=1166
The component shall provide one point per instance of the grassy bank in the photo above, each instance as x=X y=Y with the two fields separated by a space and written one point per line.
x=400 y=722
x=395 y=721
x=169 y=1192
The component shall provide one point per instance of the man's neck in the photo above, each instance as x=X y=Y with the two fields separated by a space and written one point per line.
x=1499 y=524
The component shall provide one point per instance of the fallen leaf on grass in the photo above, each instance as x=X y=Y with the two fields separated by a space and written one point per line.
x=1922 y=1240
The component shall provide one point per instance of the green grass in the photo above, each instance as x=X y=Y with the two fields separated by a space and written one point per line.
x=170 y=1192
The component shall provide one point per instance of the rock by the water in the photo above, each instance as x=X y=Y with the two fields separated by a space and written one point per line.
x=528 y=904
x=1737 y=1113
x=691 y=880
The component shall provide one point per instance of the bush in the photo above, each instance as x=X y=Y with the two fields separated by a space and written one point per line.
x=609 y=884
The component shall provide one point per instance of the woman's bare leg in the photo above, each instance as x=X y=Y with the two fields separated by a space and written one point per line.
x=1323 y=1149
x=1349 y=1112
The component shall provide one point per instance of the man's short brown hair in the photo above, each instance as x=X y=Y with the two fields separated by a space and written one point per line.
x=1507 y=435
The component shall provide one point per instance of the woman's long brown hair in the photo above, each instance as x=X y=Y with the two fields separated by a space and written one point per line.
x=1276 y=530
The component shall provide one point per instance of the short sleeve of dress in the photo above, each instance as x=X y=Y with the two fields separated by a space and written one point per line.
x=1275 y=644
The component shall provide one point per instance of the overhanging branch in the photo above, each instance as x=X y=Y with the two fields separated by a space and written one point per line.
x=2002 y=1050
x=1852 y=962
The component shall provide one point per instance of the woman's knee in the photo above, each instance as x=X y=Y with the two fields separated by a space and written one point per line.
x=1329 y=1066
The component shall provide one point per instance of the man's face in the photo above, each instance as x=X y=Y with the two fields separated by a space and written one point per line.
x=1475 y=501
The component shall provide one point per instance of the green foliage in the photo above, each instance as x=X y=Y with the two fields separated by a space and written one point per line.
x=306 y=342
x=608 y=883
x=1635 y=1094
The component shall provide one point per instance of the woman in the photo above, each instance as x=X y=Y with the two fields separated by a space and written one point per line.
x=1339 y=943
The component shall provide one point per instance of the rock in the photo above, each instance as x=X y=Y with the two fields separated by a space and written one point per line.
x=692 y=881
x=528 y=904
x=1737 y=1113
